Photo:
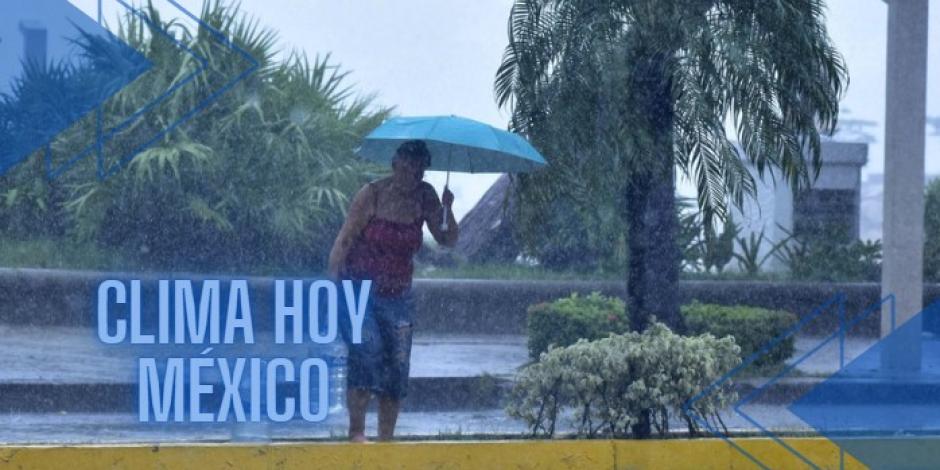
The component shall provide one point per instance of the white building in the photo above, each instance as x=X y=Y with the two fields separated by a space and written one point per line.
x=832 y=205
x=40 y=30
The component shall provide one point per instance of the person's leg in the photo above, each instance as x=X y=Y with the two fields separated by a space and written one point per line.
x=397 y=329
x=357 y=401
x=363 y=371
x=388 y=416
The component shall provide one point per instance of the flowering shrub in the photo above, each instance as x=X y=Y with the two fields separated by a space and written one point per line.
x=606 y=386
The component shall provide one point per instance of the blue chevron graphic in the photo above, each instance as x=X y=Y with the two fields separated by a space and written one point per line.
x=875 y=397
x=202 y=81
x=116 y=144
x=47 y=81
x=835 y=306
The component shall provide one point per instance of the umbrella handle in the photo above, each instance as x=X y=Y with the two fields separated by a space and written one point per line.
x=444 y=226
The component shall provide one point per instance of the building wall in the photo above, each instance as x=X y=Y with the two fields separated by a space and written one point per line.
x=58 y=17
x=772 y=211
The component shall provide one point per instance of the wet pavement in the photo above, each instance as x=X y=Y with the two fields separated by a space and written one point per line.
x=58 y=356
x=820 y=356
x=54 y=354
x=468 y=355
x=74 y=355
x=75 y=428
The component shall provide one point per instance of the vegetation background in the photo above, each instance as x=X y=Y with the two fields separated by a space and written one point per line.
x=259 y=181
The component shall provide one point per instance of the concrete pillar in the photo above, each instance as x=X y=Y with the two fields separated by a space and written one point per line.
x=905 y=123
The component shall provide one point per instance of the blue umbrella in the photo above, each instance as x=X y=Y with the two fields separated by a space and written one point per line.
x=456 y=144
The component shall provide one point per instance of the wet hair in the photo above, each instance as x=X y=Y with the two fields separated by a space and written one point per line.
x=416 y=150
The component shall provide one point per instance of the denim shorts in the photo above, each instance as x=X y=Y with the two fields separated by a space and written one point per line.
x=381 y=362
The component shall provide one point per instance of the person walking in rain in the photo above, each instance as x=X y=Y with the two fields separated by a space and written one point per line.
x=378 y=241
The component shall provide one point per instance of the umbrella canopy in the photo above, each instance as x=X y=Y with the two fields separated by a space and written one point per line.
x=456 y=144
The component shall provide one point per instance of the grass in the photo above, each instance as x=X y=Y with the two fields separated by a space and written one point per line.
x=538 y=273
x=735 y=276
x=61 y=254
x=67 y=253
x=70 y=254
x=507 y=272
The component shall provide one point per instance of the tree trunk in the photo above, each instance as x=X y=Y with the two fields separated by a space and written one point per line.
x=653 y=257
x=653 y=251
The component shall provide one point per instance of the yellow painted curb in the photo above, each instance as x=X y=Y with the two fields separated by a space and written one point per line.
x=560 y=454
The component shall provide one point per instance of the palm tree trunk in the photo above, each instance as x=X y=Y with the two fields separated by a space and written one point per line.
x=653 y=252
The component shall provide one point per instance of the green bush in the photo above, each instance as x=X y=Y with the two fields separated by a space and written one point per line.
x=565 y=321
x=831 y=260
x=751 y=327
x=607 y=385
x=932 y=229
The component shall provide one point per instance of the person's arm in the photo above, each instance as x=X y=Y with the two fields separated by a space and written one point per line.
x=358 y=215
x=433 y=214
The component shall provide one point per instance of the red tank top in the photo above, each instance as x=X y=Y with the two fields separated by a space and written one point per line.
x=384 y=253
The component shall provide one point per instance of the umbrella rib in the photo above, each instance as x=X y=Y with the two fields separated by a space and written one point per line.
x=431 y=131
x=433 y=127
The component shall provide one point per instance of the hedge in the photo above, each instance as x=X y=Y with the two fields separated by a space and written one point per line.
x=753 y=328
x=564 y=321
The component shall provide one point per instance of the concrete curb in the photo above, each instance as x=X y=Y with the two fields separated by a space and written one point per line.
x=704 y=454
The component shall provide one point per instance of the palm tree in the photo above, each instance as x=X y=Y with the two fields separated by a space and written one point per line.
x=260 y=178
x=626 y=91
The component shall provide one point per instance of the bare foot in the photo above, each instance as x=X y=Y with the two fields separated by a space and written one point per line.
x=358 y=438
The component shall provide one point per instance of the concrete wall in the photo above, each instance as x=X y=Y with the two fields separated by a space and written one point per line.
x=49 y=297
x=499 y=306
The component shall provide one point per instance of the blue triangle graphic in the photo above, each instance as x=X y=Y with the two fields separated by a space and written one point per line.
x=56 y=66
x=872 y=409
